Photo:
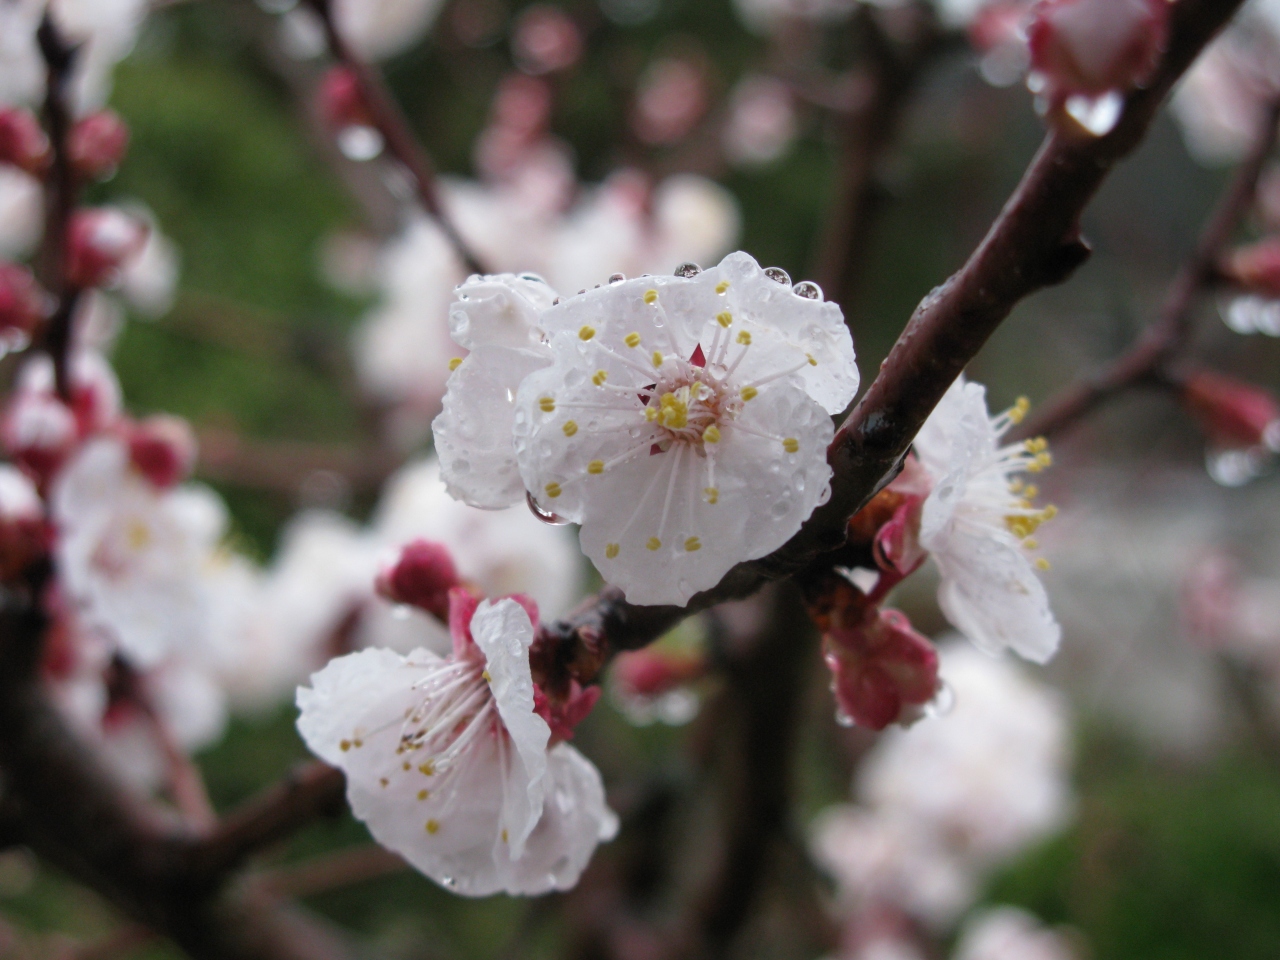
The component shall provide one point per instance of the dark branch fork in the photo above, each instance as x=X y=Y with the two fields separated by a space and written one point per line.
x=1034 y=243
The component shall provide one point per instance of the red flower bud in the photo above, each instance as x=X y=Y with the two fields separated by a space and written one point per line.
x=21 y=302
x=99 y=242
x=24 y=535
x=563 y=716
x=341 y=102
x=651 y=673
x=422 y=577
x=883 y=671
x=1094 y=46
x=546 y=40
x=163 y=449
x=1233 y=415
x=1256 y=267
x=22 y=142
x=97 y=144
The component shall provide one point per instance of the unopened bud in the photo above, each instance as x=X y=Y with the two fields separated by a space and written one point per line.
x=22 y=142
x=1091 y=47
x=1256 y=267
x=1233 y=415
x=654 y=672
x=99 y=242
x=39 y=432
x=341 y=103
x=545 y=40
x=163 y=449
x=21 y=302
x=883 y=671
x=97 y=144
x=563 y=715
x=422 y=577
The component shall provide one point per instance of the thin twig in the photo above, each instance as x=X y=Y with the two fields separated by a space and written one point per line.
x=332 y=871
x=400 y=142
x=60 y=195
x=1163 y=339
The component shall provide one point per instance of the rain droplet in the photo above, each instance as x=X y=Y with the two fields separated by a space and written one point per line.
x=843 y=719
x=401 y=611
x=360 y=143
x=531 y=277
x=546 y=516
x=448 y=882
x=778 y=275
x=688 y=270
x=13 y=341
x=1234 y=468
x=557 y=301
x=617 y=277
x=1098 y=115
x=807 y=289
x=943 y=702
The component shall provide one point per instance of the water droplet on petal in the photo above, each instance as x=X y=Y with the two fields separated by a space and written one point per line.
x=360 y=143
x=688 y=270
x=778 y=275
x=617 y=277
x=532 y=278
x=1098 y=115
x=557 y=301
x=1234 y=468
x=943 y=702
x=807 y=289
x=843 y=719
x=401 y=611
x=546 y=516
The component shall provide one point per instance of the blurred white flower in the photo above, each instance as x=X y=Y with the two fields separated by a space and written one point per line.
x=1007 y=933
x=135 y=560
x=21 y=209
x=944 y=802
x=765 y=15
x=379 y=29
x=978 y=521
x=762 y=121
x=448 y=764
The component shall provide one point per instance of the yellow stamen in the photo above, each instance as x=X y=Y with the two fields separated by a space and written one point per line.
x=454 y=364
x=722 y=286
x=713 y=495
x=427 y=768
x=693 y=544
x=433 y=827
x=632 y=339
x=344 y=745
x=812 y=362
x=423 y=794
x=744 y=338
x=1043 y=564
x=586 y=333
x=653 y=543
x=595 y=467
x=547 y=404
x=749 y=393
x=553 y=490
x=791 y=444
x=600 y=377
x=711 y=434
x=611 y=550
x=651 y=414
x=724 y=318
x=657 y=358
x=651 y=297
x=569 y=428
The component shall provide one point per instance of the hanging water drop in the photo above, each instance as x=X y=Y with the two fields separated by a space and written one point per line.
x=808 y=290
x=360 y=143
x=688 y=270
x=943 y=702
x=546 y=516
x=1234 y=468
x=617 y=277
x=778 y=275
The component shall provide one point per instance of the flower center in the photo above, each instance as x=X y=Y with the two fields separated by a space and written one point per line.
x=689 y=407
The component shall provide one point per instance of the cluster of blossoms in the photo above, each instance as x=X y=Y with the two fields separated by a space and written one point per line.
x=944 y=803
x=962 y=499
x=682 y=420
x=459 y=762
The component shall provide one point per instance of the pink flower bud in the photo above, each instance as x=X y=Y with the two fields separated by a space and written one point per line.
x=563 y=716
x=99 y=242
x=21 y=302
x=1233 y=415
x=97 y=144
x=39 y=432
x=163 y=449
x=883 y=671
x=341 y=103
x=1095 y=46
x=1256 y=267
x=651 y=673
x=22 y=142
x=24 y=535
x=422 y=577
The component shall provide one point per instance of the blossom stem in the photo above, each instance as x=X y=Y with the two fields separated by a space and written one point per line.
x=390 y=122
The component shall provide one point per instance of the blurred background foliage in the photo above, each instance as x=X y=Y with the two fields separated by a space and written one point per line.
x=1172 y=856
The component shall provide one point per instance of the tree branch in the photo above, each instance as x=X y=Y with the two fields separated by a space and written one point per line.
x=61 y=188
x=1034 y=243
x=1161 y=341
x=400 y=142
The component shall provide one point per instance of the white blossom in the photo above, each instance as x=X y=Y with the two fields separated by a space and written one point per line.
x=378 y=29
x=954 y=796
x=978 y=523
x=18 y=497
x=634 y=414
x=1007 y=933
x=448 y=764
x=136 y=560
x=21 y=208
